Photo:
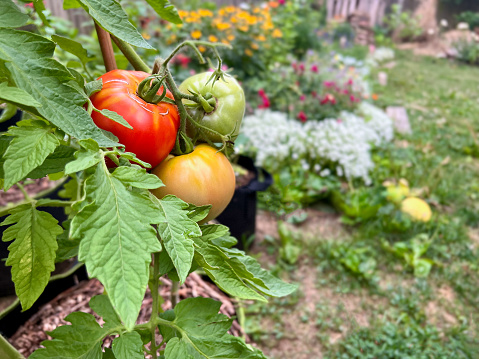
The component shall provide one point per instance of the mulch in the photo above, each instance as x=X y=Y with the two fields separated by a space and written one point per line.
x=28 y=337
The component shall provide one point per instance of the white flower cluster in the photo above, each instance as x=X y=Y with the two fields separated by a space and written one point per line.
x=379 y=56
x=339 y=147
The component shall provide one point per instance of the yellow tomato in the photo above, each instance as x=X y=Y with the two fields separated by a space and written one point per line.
x=201 y=177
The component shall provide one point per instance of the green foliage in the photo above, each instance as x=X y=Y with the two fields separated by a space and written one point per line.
x=407 y=26
x=467 y=51
x=469 y=17
x=391 y=340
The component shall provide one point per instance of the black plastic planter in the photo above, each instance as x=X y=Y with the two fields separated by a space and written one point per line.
x=11 y=122
x=240 y=215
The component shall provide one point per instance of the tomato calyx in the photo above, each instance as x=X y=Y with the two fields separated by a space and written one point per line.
x=149 y=87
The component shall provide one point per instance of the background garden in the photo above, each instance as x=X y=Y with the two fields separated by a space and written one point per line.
x=369 y=128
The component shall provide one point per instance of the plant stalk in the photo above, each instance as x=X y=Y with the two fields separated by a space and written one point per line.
x=154 y=305
x=133 y=58
x=106 y=48
x=175 y=296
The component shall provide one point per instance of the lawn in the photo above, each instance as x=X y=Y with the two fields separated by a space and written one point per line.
x=358 y=297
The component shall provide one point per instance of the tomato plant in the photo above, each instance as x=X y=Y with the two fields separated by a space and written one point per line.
x=202 y=177
x=224 y=119
x=126 y=237
x=153 y=126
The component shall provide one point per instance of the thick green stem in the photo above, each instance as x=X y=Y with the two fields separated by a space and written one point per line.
x=175 y=296
x=22 y=189
x=154 y=305
x=133 y=58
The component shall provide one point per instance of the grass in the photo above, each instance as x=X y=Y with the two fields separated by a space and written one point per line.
x=388 y=312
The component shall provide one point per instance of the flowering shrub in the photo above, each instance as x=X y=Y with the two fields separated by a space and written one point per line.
x=314 y=89
x=340 y=147
x=380 y=55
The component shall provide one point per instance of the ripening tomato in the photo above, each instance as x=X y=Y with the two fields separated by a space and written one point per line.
x=154 y=125
x=230 y=105
x=201 y=177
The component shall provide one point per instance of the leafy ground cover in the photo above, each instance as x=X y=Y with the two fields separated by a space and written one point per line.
x=374 y=289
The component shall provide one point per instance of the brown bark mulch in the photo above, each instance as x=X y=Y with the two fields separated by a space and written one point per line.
x=29 y=336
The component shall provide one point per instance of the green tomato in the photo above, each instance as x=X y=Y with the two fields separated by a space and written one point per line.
x=229 y=110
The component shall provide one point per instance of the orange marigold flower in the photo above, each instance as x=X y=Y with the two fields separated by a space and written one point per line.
x=226 y=42
x=202 y=48
x=182 y=13
x=261 y=38
x=230 y=37
x=205 y=13
x=212 y=38
x=254 y=46
x=196 y=34
x=223 y=26
x=374 y=96
x=243 y=28
x=277 y=33
x=273 y=4
x=248 y=52
x=146 y=35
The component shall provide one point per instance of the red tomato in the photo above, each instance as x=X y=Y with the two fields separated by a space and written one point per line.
x=154 y=125
x=204 y=176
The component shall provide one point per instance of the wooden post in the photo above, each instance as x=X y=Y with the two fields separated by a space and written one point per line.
x=106 y=48
x=330 y=9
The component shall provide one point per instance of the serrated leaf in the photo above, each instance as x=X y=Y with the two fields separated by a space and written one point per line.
x=130 y=156
x=224 y=274
x=176 y=230
x=84 y=159
x=196 y=213
x=93 y=87
x=11 y=16
x=110 y=15
x=165 y=10
x=32 y=254
x=54 y=163
x=114 y=117
x=211 y=231
x=67 y=248
x=28 y=58
x=101 y=305
x=203 y=332
x=30 y=147
x=128 y=346
x=137 y=177
x=73 y=47
x=16 y=95
x=81 y=339
x=117 y=239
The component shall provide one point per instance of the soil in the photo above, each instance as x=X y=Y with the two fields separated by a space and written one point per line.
x=14 y=194
x=29 y=336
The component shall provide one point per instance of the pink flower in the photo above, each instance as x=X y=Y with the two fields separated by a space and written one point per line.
x=315 y=69
x=352 y=98
x=301 y=67
x=328 y=98
x=329 y=84
x=29 y=5
x=281 y=2
x=345 y=91
x=265 y=103
x=294 y=66
x=261 y=93
x=192 y=72
x=350 y=82
x=302 y=116
x=314 y=94
x=339 y=120
x=302 y=98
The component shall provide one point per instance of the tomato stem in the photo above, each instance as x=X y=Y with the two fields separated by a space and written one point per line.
x=155 y=303
x=133 y=58
x=193 y=44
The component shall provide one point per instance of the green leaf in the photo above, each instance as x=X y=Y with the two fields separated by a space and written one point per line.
x=224 y=274
x=32 y=254
x=102 y=306
x=28 y=58
x=73 y=47
x=114 y=117
x=8 y=112
x=30 y=147
x=11 y=16
x=93 y=87
x=177 y=230
x=71 y=4
x=165 y=10
x=137 y=177
x=198 y=213
x=198 y=331
x=54 y=163
x=16 y=95
x=110 y=16
x=117 y=238
x=128 y=346
x=67 y=248
x=84 y=159
x=82 y=339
